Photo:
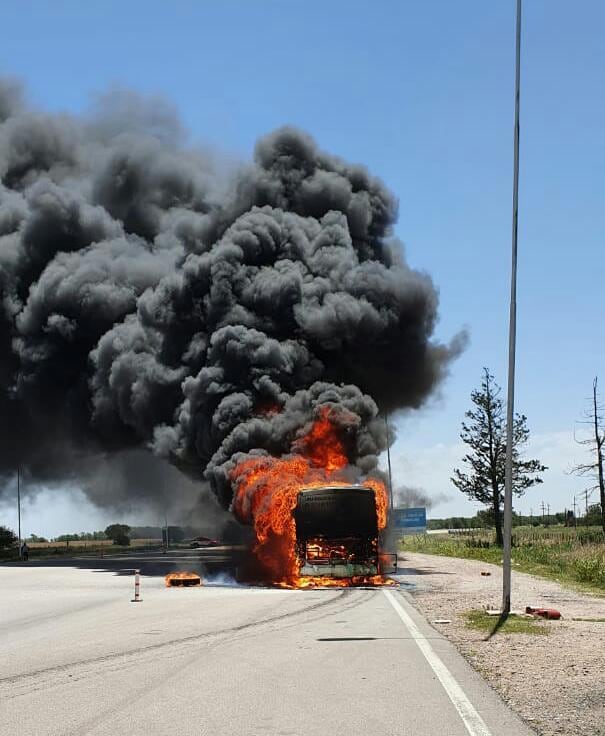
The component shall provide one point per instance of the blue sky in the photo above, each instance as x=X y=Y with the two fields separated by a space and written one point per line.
x=422 y=93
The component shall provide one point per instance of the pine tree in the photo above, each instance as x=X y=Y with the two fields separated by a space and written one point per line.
x=485 y=434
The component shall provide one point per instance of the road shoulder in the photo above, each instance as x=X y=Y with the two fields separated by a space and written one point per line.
x=479 y=707
x=553 y=682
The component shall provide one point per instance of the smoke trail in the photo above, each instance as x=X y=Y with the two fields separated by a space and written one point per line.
x=410 y=497
x=147 y=302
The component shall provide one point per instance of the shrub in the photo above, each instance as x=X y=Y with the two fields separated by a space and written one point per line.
x=118 y=533
x=8 y=538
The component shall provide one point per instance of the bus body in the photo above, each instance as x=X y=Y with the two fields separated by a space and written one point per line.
x=337 y=532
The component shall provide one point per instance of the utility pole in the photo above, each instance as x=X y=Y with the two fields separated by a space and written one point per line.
x=543 y=509
x=548 y=513
x=512 y=339
x=575 y=516
x=165 y=532
x=19 y=506
x=599 y=440
x=386 y=424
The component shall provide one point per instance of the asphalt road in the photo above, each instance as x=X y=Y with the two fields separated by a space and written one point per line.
x=77 y=657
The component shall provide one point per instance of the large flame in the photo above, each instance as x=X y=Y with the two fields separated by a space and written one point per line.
x=266 y=494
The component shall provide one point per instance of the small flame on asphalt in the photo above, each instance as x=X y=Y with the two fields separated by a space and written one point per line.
x=182 y=579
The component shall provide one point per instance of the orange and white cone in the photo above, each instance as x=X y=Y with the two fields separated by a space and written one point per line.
x=137 y=585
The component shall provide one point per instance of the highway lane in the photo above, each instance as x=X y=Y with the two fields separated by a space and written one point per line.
x=79 y=658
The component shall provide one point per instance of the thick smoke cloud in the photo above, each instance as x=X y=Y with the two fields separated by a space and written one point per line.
x=146 y=302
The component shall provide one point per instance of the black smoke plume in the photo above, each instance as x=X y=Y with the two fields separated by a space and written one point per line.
x=149 y=302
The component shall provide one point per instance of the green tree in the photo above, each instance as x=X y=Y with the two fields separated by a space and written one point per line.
x=118 y=533
x=7 y=537
x=485 y=517
x=485 y=434
x=593 y=516
x=67 y=538
x=35 y=538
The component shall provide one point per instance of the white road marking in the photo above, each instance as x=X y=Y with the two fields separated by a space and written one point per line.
x=473 y=722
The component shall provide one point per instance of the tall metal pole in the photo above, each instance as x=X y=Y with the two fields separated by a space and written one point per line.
x=386 y=424
x=19 y=505
x=512 y=339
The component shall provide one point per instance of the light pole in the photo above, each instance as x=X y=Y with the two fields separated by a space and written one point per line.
x=386 y=424
x=19 y=507
x=512 y=338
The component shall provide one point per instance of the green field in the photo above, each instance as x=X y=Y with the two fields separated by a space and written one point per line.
x=570 y=555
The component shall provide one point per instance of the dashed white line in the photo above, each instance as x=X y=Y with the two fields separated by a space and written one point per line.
x=473 y=722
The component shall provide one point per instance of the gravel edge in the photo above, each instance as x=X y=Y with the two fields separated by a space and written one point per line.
x=554 y=683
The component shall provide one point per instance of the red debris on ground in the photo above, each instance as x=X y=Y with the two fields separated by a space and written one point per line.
x=550 y=613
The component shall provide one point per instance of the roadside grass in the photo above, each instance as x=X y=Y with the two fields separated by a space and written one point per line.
x=566 y=555
x=479 y=620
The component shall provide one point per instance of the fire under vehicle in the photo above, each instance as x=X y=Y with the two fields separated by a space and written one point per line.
x=337 y=533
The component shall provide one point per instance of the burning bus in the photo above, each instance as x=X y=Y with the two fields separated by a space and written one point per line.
x=312 y=526
x=337 y=533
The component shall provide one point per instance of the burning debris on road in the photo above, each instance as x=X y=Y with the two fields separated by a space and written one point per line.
x=246 y=329
x=182 y=579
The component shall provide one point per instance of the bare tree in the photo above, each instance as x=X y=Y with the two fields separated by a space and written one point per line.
x=593 y=418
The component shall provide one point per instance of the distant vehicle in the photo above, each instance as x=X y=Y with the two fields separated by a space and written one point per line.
x=204 y=542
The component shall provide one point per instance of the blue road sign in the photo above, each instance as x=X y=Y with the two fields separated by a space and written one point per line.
x=409 y=521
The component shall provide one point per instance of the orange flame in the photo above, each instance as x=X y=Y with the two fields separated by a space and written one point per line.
x=327 y=582
x=266 y=494
x=268 y=408
x=184 y=579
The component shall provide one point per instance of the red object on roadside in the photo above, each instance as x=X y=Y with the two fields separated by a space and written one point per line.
x=549 y=613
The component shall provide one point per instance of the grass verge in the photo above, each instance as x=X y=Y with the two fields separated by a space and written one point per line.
x=565 y=559
x=480 y=621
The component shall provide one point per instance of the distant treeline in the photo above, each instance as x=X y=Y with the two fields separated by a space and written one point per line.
x=81 y=537
x=485 y=519
x=175 y=534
